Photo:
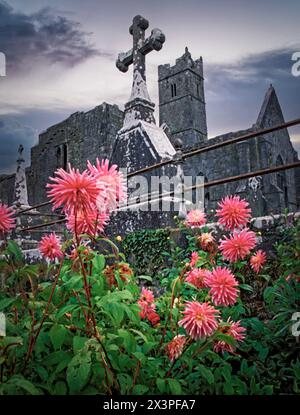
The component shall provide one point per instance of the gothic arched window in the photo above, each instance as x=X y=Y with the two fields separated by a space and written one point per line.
x=173 y=90
x=281 y=180
x=206 y=191
x=62 y=156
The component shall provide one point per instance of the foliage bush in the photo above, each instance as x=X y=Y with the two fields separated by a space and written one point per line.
x=66 y=357
x=81 y=324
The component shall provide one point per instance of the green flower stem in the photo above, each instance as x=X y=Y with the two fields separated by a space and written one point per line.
x=33 y=337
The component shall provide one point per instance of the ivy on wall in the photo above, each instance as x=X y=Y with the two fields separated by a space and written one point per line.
x=144 y=250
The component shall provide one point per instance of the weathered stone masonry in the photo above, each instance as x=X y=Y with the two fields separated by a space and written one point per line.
x=92 y=134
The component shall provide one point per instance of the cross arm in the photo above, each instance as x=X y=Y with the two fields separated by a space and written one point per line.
x=154 y=42
x=124 y=60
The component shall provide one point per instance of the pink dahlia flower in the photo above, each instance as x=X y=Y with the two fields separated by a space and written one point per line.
x=7 y=222
x=147 y=296
x=234 y=212
x=238 y=245
x=90 y=222
x=195 y=219
x=112 y=180
x=199 y=319
x=153 y=317
x=50 y=248
x=258 y=260
x=147 y=306
x=205 y=239
x=233 y=329
x=196 y=277
x=194 y=258
x=222 y=284
x=74 y=190
x=175 y=347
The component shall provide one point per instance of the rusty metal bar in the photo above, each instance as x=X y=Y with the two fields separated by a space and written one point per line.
x=196 y=151
x=243 y=176
x=242 y=138
x=42 y=225
x=33 y=207
x=216 y=182
x=50 y=215
x=220 y=145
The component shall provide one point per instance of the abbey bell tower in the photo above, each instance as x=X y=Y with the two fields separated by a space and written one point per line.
x=181 y=100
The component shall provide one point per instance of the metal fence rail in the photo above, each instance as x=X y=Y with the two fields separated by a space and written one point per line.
x=216 y=182
x=220 y=145
x=186 y=155
x=194 y=152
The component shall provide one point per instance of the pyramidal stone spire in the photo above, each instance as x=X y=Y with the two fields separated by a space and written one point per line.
x=20 y=191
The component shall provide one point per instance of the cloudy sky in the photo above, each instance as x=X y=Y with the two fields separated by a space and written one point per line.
x=61 y=53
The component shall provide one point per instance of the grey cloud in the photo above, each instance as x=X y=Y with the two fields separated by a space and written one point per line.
x=235 y=92
x=13 y=133
x=29 y=38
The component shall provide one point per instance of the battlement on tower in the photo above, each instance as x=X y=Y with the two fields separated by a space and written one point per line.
x=183 y=63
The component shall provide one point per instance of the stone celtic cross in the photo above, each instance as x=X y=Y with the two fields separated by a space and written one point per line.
x=136 y=55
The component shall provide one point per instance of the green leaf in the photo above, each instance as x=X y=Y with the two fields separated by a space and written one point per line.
x=74 y=282
x=117 y=312
x=267 y=390
x=6 y=302
x=7 y=341
x=79 y=343
x=175 y=386
x=253 y=386
x=115 y=297
x=228 y=388
x=226 y=372
x=140 y=389
x=206 y=374
x=67 y=309
x=225 y=338
x=57 y=335
x=246 y=287
x=145 y=277
x=56 y=358
x=132 y=311
x=269 y=294
x=125 y=381
x=139 y=333
x=14 y=249
x=42 y=372
x=60 y=388
x=78 y=372
x=128 y=340
x=161 y=384
x=21 y=382
x=98 y=264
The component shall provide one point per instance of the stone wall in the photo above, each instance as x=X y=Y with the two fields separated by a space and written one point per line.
x=7 y=183
x=81 y=137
